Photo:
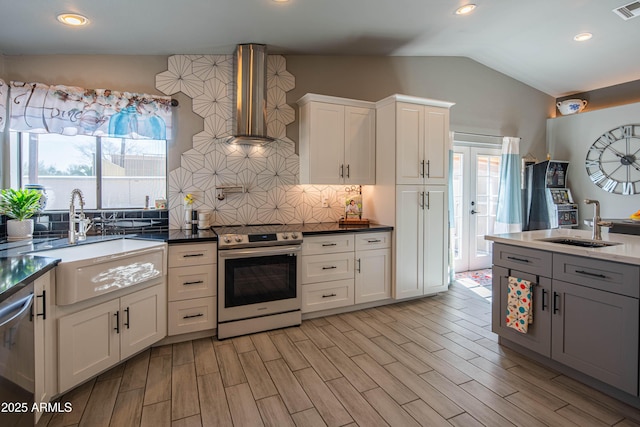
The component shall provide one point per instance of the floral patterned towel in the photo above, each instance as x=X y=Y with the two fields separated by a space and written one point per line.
x=519 y=304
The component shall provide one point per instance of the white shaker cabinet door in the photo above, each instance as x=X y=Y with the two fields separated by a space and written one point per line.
x=436 y=240
x=88 y=343
x=326 y=147
x=409 y=242
x=359 y=146
x=373 y=275
x=410 y=166
x=143 y=319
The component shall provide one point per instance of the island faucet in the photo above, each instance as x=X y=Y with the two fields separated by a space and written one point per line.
x=597 y=221
x=83 y=223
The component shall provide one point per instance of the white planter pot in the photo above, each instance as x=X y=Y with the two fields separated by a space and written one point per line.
x=19 y=230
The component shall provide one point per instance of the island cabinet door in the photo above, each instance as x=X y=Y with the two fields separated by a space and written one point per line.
x=538 y=336
x=596 y=332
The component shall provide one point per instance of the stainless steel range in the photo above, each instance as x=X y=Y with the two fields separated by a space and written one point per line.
x=258 y=278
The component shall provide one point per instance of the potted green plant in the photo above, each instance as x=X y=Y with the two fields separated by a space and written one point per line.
x=19 y=205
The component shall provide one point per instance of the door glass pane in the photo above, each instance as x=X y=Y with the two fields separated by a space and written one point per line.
x=487 y=183
x=458 y=179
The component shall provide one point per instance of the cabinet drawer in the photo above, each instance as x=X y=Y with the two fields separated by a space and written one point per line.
x=323 y=268
x=192 y=315
x=192 y=282
x=366 y=241
x=322 y=296
x=608 y=276
x=527 y=260
x=328 y=244
x=192 y=254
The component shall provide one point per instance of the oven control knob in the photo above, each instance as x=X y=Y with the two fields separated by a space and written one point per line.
x=294 y=235
x=238 y=238
x=285 y=236
x=227 y=239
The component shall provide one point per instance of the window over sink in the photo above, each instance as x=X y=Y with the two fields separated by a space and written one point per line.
x=113 y=173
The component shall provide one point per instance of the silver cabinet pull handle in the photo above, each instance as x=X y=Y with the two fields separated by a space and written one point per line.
x=428 y=168
x=422 y=168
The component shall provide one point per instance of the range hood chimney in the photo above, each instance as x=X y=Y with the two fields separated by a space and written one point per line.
x=250 y=114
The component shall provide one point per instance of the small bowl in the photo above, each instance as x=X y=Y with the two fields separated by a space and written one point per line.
x=571 y=106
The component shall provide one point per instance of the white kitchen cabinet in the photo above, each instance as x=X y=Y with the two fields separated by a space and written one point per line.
x=411 y=191
x=327 y=275
x=373 y=267
x=44 y=346
x=421 y=132
x=98 y=337
x=339 y=270
x=192 y=284
x=422 y=240
x=337 y=140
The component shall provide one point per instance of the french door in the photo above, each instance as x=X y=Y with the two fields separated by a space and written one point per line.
x=476 y=178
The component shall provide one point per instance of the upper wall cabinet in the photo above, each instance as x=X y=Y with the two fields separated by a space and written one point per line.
x=422 y=135
x=337 y=140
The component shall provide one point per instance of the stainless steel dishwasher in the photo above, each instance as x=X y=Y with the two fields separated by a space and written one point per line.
x=17 y=359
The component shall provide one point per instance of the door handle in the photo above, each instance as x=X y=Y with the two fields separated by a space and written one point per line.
x=341 y=171
x=556 y=297
x=358 y=269
x=422 y=168
x=348 y=171
x=473 y=212
x=427 y=201
x=421 y=199
x=428 y=169
x=544 y=302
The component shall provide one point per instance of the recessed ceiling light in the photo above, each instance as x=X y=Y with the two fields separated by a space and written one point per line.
x=73 y=19
x=463 y=10
x=582 y=37
x=281 y=1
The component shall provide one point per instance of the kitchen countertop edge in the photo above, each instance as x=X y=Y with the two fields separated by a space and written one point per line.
x=627 y=252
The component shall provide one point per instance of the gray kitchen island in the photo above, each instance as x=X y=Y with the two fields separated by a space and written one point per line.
x=584 y=303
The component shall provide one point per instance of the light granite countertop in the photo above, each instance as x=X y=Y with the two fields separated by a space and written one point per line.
x=628 y=251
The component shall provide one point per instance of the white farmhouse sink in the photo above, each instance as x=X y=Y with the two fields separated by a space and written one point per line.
x=93 y=269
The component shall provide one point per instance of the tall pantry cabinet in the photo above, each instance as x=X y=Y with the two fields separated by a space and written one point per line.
x=411 y=193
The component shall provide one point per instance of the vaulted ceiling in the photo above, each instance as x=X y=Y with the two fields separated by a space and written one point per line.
x=529 y=41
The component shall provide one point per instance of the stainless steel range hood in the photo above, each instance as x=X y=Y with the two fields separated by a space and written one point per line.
x=250 y=113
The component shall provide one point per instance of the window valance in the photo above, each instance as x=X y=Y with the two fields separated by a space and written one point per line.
x=3 y=104
x=68 y=110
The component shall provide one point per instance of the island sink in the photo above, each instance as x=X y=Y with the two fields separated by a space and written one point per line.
x=584 y=243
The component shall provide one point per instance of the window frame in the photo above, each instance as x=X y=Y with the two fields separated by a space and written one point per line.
x=19 y=157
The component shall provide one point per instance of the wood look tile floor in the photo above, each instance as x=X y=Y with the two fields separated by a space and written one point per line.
x=426 y=362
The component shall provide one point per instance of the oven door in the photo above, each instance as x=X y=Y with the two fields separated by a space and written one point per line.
x=256 y=282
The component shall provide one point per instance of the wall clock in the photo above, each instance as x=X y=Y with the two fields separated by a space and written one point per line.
x=613 y=160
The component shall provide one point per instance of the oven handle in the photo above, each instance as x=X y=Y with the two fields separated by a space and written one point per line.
x=252 y=252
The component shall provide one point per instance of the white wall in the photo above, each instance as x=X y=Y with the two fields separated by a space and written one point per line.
x=569 y=138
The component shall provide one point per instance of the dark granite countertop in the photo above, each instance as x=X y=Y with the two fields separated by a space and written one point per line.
x=20 y=263
x=334 y=227
x=17 y=271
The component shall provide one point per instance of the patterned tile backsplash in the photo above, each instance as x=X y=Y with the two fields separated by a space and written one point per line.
x=268 y=174
x=56 y=224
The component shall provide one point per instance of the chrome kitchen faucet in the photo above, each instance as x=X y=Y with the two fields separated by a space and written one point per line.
x=84 y=224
